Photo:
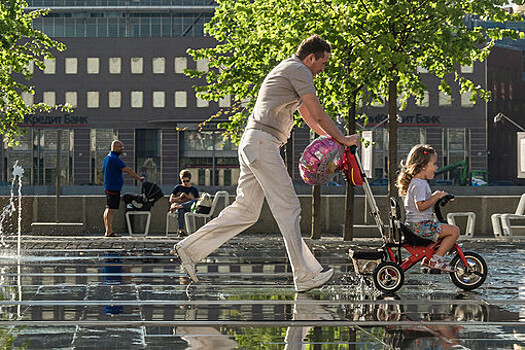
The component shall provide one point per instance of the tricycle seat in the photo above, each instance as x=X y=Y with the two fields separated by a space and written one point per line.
x=411 y=238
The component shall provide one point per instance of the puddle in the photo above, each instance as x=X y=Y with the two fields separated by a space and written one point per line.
x=133 y=295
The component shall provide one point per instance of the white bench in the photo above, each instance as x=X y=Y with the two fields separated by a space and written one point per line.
x=471 y=221
x=189 y=217
x=148 y=219
x=169 y=216
x=501 y=223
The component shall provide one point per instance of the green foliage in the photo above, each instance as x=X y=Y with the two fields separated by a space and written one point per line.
x=372 y=40
x=20 y=46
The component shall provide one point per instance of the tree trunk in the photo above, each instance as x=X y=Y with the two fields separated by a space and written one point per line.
x=392 y=136
x=315 y=232
x=316 y=212
x=348 y=232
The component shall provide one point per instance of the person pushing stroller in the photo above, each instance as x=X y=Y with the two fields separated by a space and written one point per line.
x=419 y=204
x=288 y=87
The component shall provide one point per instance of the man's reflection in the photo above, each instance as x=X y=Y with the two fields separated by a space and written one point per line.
x=112 y=276
x=304 y=311
x=203 y=338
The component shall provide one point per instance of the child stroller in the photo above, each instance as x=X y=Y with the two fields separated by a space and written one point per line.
x=386 y=264
x=150 y=193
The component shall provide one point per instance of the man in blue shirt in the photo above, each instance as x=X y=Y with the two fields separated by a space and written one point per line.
x=113 y=180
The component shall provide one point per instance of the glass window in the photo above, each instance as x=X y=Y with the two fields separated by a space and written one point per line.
x=91 y=27
x=113 y=27
x=137 y=65
x=467 y=69
x=211 y=160
x=159 y=65
x=102 y=27
x=93 y=65
x=30 y=67
x=202 y=103
x=177 y=25
x=46 y=141
x=180 y=64
x=159 y=99
x=136 y=99
x=425 y=102
x=455 y=144
x=100 y=145
x=114 y=99
x=92 y=99
x=445 y=99
x=59 y=27
x=225 y=102
x=48 y=26
x=181 y=99
x=71 y=65
x=465 y=99
x=36 y=153
x=115 y=65
x=202 y=64
x=70 y=27
x=28 y=98
x=80 y=27
x=155 y=27
x=71 y=98
x=21 y=152
x=134 y=27
x=50 y=66
x=145 y=30
x=49 y=98
x=166 y=25
x=147 y=153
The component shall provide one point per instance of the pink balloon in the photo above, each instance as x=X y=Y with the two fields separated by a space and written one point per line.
x=321 y=160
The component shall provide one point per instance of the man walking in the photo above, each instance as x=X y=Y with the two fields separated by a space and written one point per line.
x=113 y=181
x=289 y=86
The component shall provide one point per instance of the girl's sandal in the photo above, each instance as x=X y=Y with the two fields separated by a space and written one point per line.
x=437 y=264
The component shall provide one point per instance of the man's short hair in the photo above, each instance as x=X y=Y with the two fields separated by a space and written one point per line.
x=313 y=44
x=185 y=173
x=115 y=142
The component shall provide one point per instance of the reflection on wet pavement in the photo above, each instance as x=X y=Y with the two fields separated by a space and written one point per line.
x=91 y=293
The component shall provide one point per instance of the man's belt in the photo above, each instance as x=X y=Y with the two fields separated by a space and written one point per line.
x=256 y=125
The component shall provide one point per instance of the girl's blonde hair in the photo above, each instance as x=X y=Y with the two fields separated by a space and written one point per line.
x=417 y=159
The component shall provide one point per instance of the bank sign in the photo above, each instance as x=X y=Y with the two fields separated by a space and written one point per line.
x=55 y=121
x=407 y=120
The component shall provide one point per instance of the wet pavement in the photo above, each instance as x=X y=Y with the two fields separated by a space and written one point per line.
x=129 y=293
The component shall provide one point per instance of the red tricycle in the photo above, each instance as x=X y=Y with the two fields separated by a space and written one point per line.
x=385 y=264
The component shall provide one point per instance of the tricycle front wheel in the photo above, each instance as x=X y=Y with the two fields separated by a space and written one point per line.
x=471 y=276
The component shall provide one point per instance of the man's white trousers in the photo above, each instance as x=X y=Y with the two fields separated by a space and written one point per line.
x=263 y=174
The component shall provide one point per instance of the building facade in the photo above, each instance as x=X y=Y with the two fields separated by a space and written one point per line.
x=452 y=124
x=123 y=73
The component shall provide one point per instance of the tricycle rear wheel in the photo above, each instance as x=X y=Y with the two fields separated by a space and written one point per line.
x=388 y=277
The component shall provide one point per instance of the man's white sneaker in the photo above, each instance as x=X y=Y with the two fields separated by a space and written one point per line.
x=317 y=281
x=187 y=264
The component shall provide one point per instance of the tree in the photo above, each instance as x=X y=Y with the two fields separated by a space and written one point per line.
x=254 y=36
x=377 y=47
x=403 y=35
x=20 y=47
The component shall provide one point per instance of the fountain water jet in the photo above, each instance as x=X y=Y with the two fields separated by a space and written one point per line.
x=8 y=210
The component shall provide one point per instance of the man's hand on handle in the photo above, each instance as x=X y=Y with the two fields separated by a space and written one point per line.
x=351 y=140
